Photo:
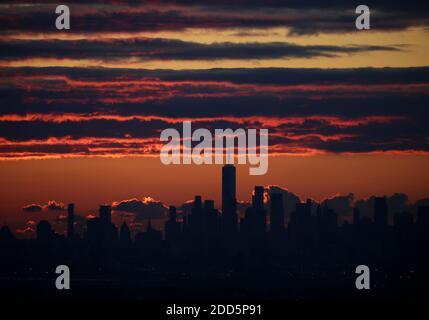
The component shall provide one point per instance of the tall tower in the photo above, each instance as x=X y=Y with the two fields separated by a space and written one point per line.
x=70 y=221
x=256 y=216
x=228 y=186
x=172 y=227
x=125 y=233
x=106 y=214
x=258 y=198
x=196 y=220
x=229 y=199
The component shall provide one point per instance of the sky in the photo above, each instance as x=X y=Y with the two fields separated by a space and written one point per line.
x=81 y=110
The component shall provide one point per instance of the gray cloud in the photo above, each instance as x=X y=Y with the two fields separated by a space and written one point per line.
x=401 y=109
x=341 y=204
x=302 y=17
x=147 y=208
x=32 y=208
x=165 y=49
x=289 y=199
x=52 y=205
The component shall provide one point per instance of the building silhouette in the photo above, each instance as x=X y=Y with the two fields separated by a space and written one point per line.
x=172 y=227
x=254 y=222
x=125 y=233
x=100 y=230
x=45 y=233
x=208 y=245
x=106 y=214
x=229 y=199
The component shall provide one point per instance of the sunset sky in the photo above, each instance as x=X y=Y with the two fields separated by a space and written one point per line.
x=81 y=110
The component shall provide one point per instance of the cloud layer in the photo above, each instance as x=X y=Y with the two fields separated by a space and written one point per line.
x=52 y=205
x=167 y=49
x=302 y=17
x=148 y=208
x=50 y=112
x=103 y=111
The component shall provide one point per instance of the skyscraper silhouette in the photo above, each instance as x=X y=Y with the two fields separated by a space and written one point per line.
x=106 y=214
x=196 y=220
x=45 y=233
x=300 y=225
x=312 y=247
x=125 y=234
x=258 y=198
x=254 y=224
x=101 y=230
x=172 y=227
x=229 y=200
x=258 y=210
x=211 y=216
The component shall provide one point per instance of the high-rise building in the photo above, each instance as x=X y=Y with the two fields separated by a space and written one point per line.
x=211 y=216
x=300 y=226
x=229 y=199
x=44 y=231
x=101 y=230
x=70 y=221
x=106 y=214
x=208 y=204
x=172 y=227
x=196 y=220
x=303 y=213
x=228 y=187
x=258 y=198
x=150 y=242
x=198 y=202
x=125 y=234
x=254 y=222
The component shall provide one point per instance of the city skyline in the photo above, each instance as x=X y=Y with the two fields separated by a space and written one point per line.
x=138 y=212
x=267 y=208
x=238 y=252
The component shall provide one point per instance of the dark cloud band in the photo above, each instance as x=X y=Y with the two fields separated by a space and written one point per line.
x=85 y=112
x=164 y=49
x=302 y=17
